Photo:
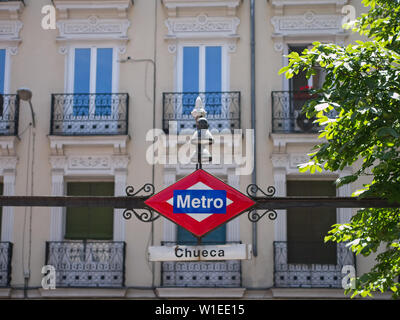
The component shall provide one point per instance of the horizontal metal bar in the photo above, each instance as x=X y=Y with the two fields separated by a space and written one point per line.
x=322 y=202
x=138 y=202
x=73 y=201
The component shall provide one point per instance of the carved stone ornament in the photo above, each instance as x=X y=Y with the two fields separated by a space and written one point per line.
x=202 y=26
x=89 y=162
x=93 y=28
x=10 y=29
x=307 y=24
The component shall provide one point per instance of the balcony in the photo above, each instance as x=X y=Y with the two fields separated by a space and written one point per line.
x=204 y=274
x=87 y=263
x=89 y=114
x=286 y=112
x=5 y=263
x=223 y=111
x=9 y=113
x=310 y=275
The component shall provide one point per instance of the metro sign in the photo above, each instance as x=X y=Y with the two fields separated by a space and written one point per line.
x=200 y=203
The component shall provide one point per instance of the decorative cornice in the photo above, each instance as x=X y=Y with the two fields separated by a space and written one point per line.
x=93 y=28
x=202 y=27
x=65 y=6
x=118 y=143
x=307 y=26
x=173 y=5
x=14 y=8
x=280 y=3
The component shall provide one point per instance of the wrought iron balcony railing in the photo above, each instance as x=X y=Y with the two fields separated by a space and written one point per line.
x=5 y=263
x=223 y=111
x=89 y=114
x=286 y=112
x=214 y=274
x=310 y=275
x=87 y=263
x=9 y=114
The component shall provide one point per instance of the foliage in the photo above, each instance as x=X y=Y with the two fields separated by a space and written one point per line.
x=362 y=85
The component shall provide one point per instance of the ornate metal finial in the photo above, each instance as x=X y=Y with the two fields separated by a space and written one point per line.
x=202 y=136
x=199 y=111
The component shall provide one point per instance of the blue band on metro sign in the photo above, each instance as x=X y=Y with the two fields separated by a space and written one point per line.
x=199 y=201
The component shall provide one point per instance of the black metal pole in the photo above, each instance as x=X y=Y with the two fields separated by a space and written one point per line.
x=199 y=164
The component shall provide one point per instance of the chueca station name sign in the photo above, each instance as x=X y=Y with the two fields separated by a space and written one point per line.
x=200 y=253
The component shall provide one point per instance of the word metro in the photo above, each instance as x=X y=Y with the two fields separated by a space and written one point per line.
x=199 y=201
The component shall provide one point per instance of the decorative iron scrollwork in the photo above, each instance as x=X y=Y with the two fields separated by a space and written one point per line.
x=252 y=190
x=143 y=214
x=147 y=215
x=148 y=188
x=253 y=215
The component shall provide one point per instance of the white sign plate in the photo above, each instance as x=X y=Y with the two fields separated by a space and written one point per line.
x=201 y=253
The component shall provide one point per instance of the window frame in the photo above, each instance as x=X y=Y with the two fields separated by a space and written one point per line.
x=70 y=68
x=225 y=63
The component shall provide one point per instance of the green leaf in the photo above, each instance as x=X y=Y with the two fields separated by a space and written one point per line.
x=387 y=131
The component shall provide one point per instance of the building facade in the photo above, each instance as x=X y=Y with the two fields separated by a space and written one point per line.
x=103 y=76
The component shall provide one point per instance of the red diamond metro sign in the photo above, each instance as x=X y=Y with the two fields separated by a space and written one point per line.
x=200 y=203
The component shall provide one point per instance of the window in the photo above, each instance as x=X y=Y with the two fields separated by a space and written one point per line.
x=299 y=82
x=2 y=70
x=202 y=71
x=1 y=209
x=89 y=223
x=2 y=79
x=218 y=236
x=93 y=71
x=307 y=227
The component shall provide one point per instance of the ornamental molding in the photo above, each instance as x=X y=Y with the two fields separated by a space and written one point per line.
x=172 y=6
x=93 y=28
x=306 y=24
x=279 y=160
x=8 y=164
x=202 y=27
x=298 y=158
x=281 y=3
x=65 y=6
x=14 y=8
x=89 y=162
x=309 y=27
x=8 y=145
x=58 y=162
x=116 y=143
x=10 y=30
x=282 y=140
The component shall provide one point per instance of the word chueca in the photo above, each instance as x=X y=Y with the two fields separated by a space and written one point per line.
x=197 y=253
